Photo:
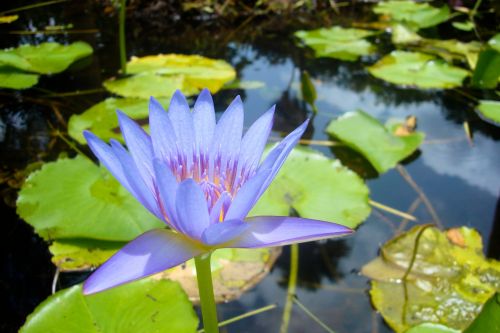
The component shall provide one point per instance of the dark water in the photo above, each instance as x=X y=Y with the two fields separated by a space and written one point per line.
x=461 y=181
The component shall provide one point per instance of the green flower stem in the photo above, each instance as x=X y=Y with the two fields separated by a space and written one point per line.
x=292 y=287
x=205 y=287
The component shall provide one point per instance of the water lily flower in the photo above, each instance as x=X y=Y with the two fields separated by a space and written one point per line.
x=202 y=178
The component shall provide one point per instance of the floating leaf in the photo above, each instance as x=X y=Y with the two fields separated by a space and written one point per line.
x=245 y=85
x=417 y=69
x=101 y=118
x=234 y=271
x=431 y=328
x=337 y=42
x=464 y=26
x=417 y=15
x=13 y=79
x=316 y=187
x=449 y=281
x=46 y=58
x=81 y=254
x=147 y=305
x=92 y=204
x=488 y=319
x=489 y=111
x=494 y=42
x=8 y=18
x=450 y=49
x=161 y=75
x=487 y=70
x=377 y=143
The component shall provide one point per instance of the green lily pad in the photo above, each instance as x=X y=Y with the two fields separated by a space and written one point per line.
x=74 y=198
x=494 y=42
x=449 y=281
x=316 y=187
x=417 y=15
x=8 y=18
x=489 y=111
x=160 y=75
x=101 y=118
x=417 y=69
x=337 y=42
x=70 y=255
x=46 y=58
x=14 y=79
x=449 y=49
x=376 y=142
x=234 y=271
x=431 y=328
x=488 y=319
x=147 y=305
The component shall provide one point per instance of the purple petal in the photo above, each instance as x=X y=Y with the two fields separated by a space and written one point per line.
x=220 y=233
x=265 y=231
x=204 y=121
x=228 y=132
x=182 y=121
x=247 y=196
x=192 y=209
x=162 y=131
x=223 y=201
x=150 y=253
x=254 y=141
x=278 y=155
x=108 y=158
x=139 y=146
x=167 y=186
x=253 y=189
x=139 y=188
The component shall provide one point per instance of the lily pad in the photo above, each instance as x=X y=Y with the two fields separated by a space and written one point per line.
x=494 y=42
x=14 y=79
x=489 y=111
x=316 y=187
x=448 y=282
x=337 y=42
x=431 y=328
x=417 y=15
x=234 y=271
x=46 y=58
x=70 y=255
x=147 y=305
x=74 y=198
x=417 y=69
x=160 y=75
x=449 y=49
x=376 y=142
x=101 y=118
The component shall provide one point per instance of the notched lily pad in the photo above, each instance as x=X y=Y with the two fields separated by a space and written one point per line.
x=376 y=142
x=160 y=75
x=417 y=69
x=234 y=271
x=316 y=187
x=448 y=283
x=46 y=58
x=416 y=15
x=147 y=305
x=101 y=118
x=337 y=42
x=74 y=198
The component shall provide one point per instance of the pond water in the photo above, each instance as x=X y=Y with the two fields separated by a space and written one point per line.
x=460 y=179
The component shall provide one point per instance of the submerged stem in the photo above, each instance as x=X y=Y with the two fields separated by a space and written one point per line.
x=121 y=33
x=292 y=286
x=206 y=290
